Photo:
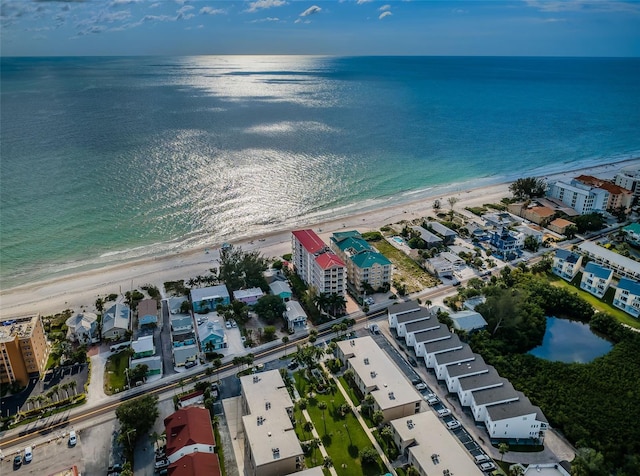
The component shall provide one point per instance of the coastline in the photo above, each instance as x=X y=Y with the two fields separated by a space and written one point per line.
x=82 y=288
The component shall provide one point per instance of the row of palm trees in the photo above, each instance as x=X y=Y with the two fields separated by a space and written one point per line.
x=43 y=400
x=333 y=304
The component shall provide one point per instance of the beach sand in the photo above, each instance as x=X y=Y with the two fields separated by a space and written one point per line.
x=82 y=289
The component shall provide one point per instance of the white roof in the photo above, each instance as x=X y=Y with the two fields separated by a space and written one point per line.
x=279 y=287
x=82 y=321
x=211 y=292
x=117 y=317
x=247 y=293
x=210 y=326
x=294 y=311
x=142 y=344
x=610 y=256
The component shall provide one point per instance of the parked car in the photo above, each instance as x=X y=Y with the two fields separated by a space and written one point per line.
x=28 y=454
x=190 y=364
x=292 y=365
x=453 y=424
x=421 y=386
x=227 y=324
x=234 y=324
x=17 y=461
x=481 y=458
x=443 y=412
x=431 y=399
x=163 y=463
x=487 y=466
x=413 y=362
x=73 y=438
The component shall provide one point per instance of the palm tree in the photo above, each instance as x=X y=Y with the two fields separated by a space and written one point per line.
x=307 y=427
x=503 y=448
x=387 y=434
x=285 y=341
x=377 y=417
x=217 y=363
x=368 y=402
x=327 y=462
x=323 y=406
x=516 y=470
x=412 y=471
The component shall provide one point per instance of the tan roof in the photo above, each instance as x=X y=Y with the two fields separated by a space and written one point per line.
x=542 y=212
x=561 y=222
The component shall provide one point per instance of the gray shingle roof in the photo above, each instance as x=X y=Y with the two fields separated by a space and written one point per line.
x=432 y=334
x=520 y=407
x=454 y=356
x=440 y=345
x=475 y=366
x=416 y=315
x=421 y=325
x=403 y=306
x=491 y=395
x=490 y=378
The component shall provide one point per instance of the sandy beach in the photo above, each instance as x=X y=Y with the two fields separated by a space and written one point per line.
x=82 y=289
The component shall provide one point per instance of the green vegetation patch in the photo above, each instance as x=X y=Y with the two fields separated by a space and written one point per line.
x=114 y=374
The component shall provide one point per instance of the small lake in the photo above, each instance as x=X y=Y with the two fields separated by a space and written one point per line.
x=570 y=341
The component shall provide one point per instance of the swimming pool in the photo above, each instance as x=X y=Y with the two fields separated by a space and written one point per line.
x=398 y=240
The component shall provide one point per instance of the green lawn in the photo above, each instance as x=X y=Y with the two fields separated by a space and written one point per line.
x=114 y=376
x=355 y=398
x=342 y=437
x=600 y=305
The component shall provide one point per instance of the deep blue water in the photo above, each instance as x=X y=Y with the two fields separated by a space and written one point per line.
x=106 y=159
x=570 y=341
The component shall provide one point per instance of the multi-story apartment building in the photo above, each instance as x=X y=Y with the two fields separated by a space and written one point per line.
x=582 y=198
x=619 y=197
x=566 y=264
x=596 y=279
x=622 y=266
x=316 y=264
x=24 y=349
x=629 y=179
x=627 y=297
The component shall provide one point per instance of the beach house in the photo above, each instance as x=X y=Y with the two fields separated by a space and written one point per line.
x=432 y=240
x=506 y=243
x=207 y=299
x=144 y=354
x=518 y=419
x=248 y=296
x=211 y=334
x=448 y=235
x=116 y=321
x=295 y=315
x=596 y=279
x=281 y=289
x=627 y=296
x=560 y=225
x=316 y=264
x=566 y=264
x=82 y=327
x=147 y=313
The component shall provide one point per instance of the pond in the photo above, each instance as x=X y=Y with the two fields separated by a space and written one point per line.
x=570 y=341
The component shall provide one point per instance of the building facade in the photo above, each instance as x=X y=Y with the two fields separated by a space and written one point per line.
x=596 y=279
x=316 y=264
x=627 y=297
x=566 y=264
x=622 y=266
x=582 y=198
x=24 y=349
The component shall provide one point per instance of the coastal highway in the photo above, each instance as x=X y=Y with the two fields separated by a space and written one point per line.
x=163 y=389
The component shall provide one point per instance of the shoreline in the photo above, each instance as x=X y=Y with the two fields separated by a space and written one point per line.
x=71 y=291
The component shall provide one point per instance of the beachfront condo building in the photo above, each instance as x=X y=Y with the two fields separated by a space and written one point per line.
x=619 y=197
x=271 y=447
x=366 y=268
x=316 y=264
x=24 y=349
x=582 y=198
x=629 y=178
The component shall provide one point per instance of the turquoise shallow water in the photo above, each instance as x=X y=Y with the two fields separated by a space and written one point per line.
x=108 y=159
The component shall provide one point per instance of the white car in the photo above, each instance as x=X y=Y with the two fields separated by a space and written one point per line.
x=28 y=454
x=227 y=324
x=73 y=438
x=431 y=399
x=444 y=412
x=487 y=466
x=453 y=424
x=421 y=386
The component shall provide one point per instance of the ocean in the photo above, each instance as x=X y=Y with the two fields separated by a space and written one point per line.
x=104 y=160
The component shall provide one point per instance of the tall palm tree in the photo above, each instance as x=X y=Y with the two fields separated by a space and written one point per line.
x=322 y=406
x=285 y=341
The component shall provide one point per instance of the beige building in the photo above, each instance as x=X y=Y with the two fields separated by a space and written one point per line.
x=376 y=374
x=430 y=447
x=24 y=349
x=271 y=447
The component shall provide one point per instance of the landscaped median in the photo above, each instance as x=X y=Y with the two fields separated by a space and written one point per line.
x=340 y=432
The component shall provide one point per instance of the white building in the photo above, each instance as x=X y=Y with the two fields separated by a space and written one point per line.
x=316 y=265
x=596 y=279
x=82 y=327
x=622 y=266
x=582 y=198
x=467 y=384
x=453 y=357
x=400 y=308
x=295 y=315
x=483 y=398
x=627 y=297
x=566 y=264
x=519 y=419
x=431 y=349
x=630 y=179
x=430 y=331
x=476 y=366
x=115 y=321
x=404 y=321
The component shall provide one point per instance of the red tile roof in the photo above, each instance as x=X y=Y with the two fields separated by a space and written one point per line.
x=612 y=188
x=311 y=242
x=196 y=464
x=188 y=426
x=329 y=260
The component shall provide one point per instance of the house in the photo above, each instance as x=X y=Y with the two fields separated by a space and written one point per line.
x=530 y=230
x=24 y=349
x=622 y=266
x=147 y=313
x=82 y=327
x=115 y=322
x=596 y=279
x=582 y=198
x=485 y=397
x=143 y=347
x=476 y=366
x=432 y=241
x=560 y=225
x=189 y=431
x=452 y=258
x=195 y=464
x=399 y=308
x=468 y=321
x=632 y=234
x=538 y=214
x=619 y=197
x=453 y=357
x=515 y=420
x=316 y=264
x=627 y=297
x=506 y=243
x=422 y=315
x=365 y=265
x=295 y=315
x=448 y=235
x=430 y=447
x=469 y=383
x=207 y=299
x=153 y=363
x=439 y=267
x=211 y=335
x=271 y=447
x=499 y=219
x=185 y=348
x=282 y=289
x=475 y=231
x=429 y=332
x=376 y=374
x=432 y=348
x=248 y=296
x=566 y=264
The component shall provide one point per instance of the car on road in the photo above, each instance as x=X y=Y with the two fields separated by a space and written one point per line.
x=487 y=466
x=431 y=399
x=162 y=463
x=17 y=461
x=190 y=364
x=421 y=386
x=73 y=438
x=443 y=412
x=28 y=454
x=453 y=424
x=292 y=365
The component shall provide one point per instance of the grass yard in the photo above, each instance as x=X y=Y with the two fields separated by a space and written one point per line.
x=350 y=391
x=600 y=305
x=114 y=376
x=342 y=437
x=406 y=270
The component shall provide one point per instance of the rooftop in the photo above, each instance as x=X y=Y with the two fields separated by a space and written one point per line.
x=417 y=315
x=405 y=306
x=610 y=256
x=209 y=293
x=148 y=307
x=142 y=344
x=441 y=229
x=454 y=356
x=195 y=464
x=475 y=366
x=188 y=426
x=367 y=259
x=433 y=445
x=468 y=320
x=279 y=287
x=354 y=244
x=443 y=345
x=521 y=407
x=247 y=293
x=487 y=396
x=426 y=235
x=309 y=240
x=633 y=228
x=561 y=222
x=116 y=317
x=598 y=271
x=436 y=333
x=627 y=284
x=490 y=378
x=20 y=327
x=329 y=260
x=567 y=256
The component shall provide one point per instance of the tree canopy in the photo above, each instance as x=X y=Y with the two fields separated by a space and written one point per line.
x=137 y=417
x=241 y=269
x=529 y=187
x=270 y=308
